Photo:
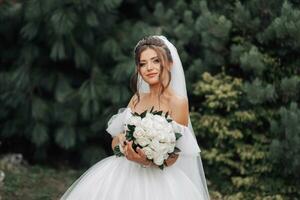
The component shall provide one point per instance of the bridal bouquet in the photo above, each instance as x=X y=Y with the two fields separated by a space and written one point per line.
x=154 y=133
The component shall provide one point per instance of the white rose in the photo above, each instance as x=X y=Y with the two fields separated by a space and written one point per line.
x=169 y=128
x=157 y=125
x=171 y=147
x=166 y=130
x=143 y=141
x=161 y=132
x=149 y=115
x=172 y=137
x=147 y=123
x=134 y=120
x=139 y=132
x=164 y=148
x=158 y=159
x=151 y=133
x=176 y=128
x=162 y=138
x=159 y=119
x=148 y=152
x=155 y=144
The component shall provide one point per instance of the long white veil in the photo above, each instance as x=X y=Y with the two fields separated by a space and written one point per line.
x=190 y=164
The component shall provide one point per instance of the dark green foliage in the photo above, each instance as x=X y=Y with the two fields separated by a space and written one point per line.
x=55 y=82
x=38 y=182
x=257 y=42
x=285 y=147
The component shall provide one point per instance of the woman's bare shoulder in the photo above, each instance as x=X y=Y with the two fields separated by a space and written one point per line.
x=180 y=109
x=177 y=100
x=133 y=100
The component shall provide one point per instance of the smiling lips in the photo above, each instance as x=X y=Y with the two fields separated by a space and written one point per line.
x=151 y=74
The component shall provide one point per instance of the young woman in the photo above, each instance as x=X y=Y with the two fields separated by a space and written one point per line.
x=158 y=82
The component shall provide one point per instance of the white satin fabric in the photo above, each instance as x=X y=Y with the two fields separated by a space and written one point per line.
x=115 y=178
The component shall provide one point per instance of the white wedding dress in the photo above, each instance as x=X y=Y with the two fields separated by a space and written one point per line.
x=116 y=178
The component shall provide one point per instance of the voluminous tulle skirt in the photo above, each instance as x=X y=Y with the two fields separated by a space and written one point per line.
x=116 y=178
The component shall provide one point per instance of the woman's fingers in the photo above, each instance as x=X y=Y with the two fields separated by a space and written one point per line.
x=129 y=144
x=122 y=139
x=141 y=152
x=139 y=157
x=125 y=150
x=172 y=159
x=130 y=153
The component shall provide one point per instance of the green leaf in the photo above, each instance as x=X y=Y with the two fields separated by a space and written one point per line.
x=178 y=135
x=39 y=109
x=63 y=21
x=129 y=135
x=151 y=109
x=166 y=115
x=143 y=114
x=58 y=50
x=117 y=151
x=40 y=134
x=65 y=137
x=161 y=167
x=63 y=90
x=131 y=127
x=29 y=31
x=158 y=112
x=176 y=150
x=81 y=57
x=92 y=19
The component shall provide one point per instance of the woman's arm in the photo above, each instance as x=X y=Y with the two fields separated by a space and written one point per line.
x=114 y=142
x=180 y=113
x=117 y=139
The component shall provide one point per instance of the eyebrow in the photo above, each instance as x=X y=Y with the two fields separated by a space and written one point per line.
x=150 y=58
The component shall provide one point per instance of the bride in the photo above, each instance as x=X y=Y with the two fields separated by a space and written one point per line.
x=158 y=81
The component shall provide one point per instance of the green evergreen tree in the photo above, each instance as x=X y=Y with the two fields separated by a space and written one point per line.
x=256 y=41
x=55 y=79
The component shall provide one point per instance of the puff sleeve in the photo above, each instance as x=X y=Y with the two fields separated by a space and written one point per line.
x=187 y=143
x=115 y=124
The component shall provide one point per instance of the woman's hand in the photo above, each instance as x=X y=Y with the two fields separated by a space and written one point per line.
x=120 y=138
x=141 y=158
x=172 y=159
x=138 y=157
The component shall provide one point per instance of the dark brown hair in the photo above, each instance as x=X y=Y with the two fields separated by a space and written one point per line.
x=164 y=56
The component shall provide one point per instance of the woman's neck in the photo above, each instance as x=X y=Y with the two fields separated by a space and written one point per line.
x=156 y=89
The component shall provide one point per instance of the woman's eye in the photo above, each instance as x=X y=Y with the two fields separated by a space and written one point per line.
x=142 y=64
x=156 y=61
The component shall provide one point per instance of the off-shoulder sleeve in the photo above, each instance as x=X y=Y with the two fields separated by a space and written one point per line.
x=115 y=124
x=187 y=143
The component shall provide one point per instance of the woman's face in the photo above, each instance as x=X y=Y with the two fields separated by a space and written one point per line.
x=149 y=66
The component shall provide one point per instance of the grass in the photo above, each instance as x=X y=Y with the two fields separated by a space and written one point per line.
x=37 y=183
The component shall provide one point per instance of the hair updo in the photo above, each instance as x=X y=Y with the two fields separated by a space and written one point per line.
x=164 y=56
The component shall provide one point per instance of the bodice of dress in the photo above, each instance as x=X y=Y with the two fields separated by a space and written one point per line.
x=187 y=143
